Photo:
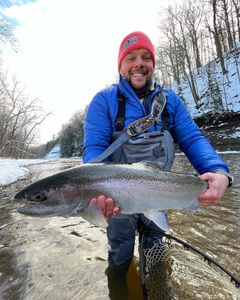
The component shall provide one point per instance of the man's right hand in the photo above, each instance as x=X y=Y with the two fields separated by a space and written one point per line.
x=106 y=205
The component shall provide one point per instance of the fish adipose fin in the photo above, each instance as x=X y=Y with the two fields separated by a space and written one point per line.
x=93 y=214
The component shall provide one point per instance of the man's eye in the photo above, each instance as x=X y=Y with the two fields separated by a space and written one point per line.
x=131 y=58
x=147 y=58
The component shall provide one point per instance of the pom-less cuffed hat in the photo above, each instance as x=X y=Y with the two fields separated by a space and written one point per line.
x=133 y=41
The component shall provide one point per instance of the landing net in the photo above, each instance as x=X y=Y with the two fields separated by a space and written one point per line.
x=170 y=272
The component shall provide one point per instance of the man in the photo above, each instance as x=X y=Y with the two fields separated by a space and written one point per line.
x=136 y=62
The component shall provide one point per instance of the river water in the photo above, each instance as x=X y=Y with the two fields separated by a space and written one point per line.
x=66 y=258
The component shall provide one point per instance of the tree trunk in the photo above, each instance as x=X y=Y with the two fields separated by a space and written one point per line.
x=227 y=23
x=216 y=38
x=237 y=10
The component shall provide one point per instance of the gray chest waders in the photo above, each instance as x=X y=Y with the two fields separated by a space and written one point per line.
x=133 y=145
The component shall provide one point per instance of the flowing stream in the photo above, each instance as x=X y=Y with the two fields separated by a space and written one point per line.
x=65 y=258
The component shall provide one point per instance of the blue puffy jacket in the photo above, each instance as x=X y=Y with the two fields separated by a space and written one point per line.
x=102 y=112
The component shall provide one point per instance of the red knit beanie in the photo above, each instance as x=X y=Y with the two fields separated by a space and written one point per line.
x=133 y=41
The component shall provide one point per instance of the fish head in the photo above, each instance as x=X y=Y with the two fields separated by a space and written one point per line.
x=50 y=196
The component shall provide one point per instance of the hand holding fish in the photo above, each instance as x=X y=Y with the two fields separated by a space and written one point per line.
x=106 y=205
x=217 y=185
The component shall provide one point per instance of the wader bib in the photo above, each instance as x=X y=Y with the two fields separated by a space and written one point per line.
x=151 y=146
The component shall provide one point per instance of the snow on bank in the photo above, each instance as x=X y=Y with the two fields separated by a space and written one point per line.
x=12 y=170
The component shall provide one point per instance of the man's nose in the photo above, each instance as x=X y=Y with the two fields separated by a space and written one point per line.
x=139 y=61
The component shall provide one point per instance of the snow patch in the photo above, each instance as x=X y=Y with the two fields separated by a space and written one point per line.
x=12 y=170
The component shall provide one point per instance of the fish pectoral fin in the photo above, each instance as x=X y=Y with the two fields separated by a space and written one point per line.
x=160 y=219
x=93 y=214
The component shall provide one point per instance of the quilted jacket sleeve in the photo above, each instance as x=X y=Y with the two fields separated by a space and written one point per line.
x=98 y=128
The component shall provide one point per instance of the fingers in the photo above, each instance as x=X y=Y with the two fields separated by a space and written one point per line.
x=101 y=203
x=106 y=205
x=206 y=199
x=116 y=211
x=217 y=185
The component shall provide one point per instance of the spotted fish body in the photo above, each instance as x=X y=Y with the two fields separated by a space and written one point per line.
x=135 y=188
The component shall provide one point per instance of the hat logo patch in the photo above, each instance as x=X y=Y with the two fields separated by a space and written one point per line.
x=132 y=40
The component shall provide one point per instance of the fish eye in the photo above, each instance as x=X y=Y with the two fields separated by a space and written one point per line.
x=39 y=197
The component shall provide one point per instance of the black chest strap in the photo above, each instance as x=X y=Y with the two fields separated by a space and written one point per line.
x=119 y=121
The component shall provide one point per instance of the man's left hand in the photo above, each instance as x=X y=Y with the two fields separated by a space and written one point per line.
x=217 y=185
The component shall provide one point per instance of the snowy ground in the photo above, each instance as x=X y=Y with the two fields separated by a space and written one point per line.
x=12 y=170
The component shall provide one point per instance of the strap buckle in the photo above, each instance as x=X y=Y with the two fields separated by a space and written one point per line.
x=141 y=125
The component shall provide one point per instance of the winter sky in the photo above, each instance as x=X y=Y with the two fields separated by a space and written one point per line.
x=68 y=49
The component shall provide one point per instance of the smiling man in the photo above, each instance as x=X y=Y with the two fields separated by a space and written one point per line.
x=136 y=60
x=137 y=68
x=132 y=103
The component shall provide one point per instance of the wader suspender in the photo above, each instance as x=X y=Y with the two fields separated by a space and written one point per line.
x=119 y=122
x=135 y=128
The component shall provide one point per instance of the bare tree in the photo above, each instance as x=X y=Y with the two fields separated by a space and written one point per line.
x=169 y=51
x=20 y=118
x=193 y=13
x=236 y=5
x=225 y=6
x=6 y=30
x=216 y=31
x=6 y=33
x=184 y=43
x=195 y=34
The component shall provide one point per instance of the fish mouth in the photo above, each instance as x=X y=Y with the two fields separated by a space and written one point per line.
x=32 y=208
x=36 y=209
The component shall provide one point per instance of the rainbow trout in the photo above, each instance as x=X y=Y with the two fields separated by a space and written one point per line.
x=135 y=188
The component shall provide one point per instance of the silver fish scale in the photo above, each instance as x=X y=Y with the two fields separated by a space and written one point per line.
x=145 y=196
